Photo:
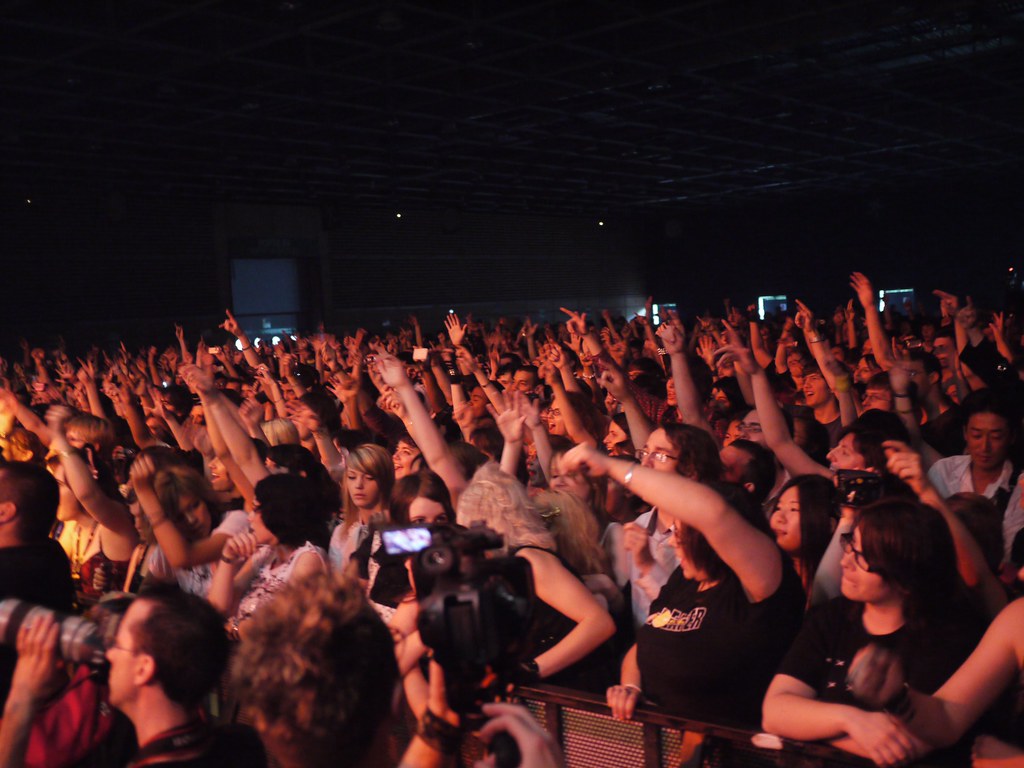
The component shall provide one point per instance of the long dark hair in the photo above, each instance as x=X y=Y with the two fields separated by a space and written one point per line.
x=909 y=544
x=816 y=495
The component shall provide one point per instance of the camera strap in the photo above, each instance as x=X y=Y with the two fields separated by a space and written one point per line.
x=185 y=742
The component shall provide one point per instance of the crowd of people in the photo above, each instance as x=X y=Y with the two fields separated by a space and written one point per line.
x=810 y=526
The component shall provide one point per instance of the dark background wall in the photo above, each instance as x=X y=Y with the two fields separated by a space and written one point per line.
x=96 y=266
x=957 y=239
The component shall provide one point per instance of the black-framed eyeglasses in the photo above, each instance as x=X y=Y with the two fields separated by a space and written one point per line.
x=846 y=541
x=658 y=456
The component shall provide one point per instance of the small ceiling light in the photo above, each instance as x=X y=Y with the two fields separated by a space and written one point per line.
x=398 y=215
x=29 y=201
x=600 y=223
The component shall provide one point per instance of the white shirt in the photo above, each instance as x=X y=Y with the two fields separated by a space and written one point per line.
x=645 y=587
x=953 y=475
x=196 y=579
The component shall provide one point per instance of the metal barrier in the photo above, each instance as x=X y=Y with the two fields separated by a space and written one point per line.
x=591 y=738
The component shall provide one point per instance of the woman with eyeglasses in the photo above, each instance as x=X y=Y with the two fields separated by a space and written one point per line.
x=900 y=590
x=726 y=615
x=677 y=449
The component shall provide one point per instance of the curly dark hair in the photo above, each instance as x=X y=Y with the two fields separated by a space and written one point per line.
x=317 y=670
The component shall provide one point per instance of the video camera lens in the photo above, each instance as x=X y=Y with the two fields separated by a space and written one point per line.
x=81 y=641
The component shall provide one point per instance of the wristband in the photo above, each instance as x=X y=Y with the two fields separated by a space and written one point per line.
x=245 y=349
x=900 y=704
x=633 y=688
x=816 y=341
x=229 y=560
x=158 y=523
x=438 y=733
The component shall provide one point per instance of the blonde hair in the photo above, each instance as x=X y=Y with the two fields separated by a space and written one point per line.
x=371 y=460
x=281 y=432
x=500 y=502
x=575 y=529
x=92 y=429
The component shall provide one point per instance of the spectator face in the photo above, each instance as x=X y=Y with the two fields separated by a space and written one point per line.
x=861 y=585
x=785 y=521
x=734 y=464
x=262 y=533
x=424 y=511
x=846 y=456
x=879 y=398
x=614 y=440
x=478 y=403
x=945 y=350
x=195 y=517
x=363 y=489
x=670 y=393
x=732 y=433
x=219 y=478
x=750 y=428
x=128 y=666
x=816 y=391
x=555 y=422
x=864 y=370
x=406 y=459
x=524 y=381
x=988 y=441
x=659 y=453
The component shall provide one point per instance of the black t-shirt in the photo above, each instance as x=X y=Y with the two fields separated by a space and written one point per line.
x=38 y=573
x=945 y=433
x=234 y=746
x=710 y=655
x=834 y=632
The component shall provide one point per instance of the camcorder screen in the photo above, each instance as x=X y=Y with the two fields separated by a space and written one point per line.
x=405 y=541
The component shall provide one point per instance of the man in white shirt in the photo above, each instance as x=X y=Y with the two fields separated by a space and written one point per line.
x=990 y=431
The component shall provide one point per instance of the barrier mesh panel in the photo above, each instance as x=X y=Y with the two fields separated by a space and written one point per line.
x=600 y=741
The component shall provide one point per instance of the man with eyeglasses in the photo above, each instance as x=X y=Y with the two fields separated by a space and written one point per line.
x=168 y=653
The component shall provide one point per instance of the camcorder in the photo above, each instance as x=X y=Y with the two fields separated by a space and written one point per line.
x=475 y=611
x=856 y=488
x=81 y=640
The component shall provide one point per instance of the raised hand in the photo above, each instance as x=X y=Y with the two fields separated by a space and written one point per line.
x=742 y=356
x=142 y=473
x=391 y=369
x=57 y=416
x=614 y=381
x=865 y=291
x=805 y=319
x=198 y=379
x=577 y=322
x=456 y=330
x=948 y=303
x=706 y=350
x=673 y=340
x=230 y=324
x=905 y=463
x=510 y=423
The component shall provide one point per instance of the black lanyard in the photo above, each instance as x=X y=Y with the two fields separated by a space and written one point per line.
x=185 y=742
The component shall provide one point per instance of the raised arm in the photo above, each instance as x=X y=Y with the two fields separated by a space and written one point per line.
x=906 y=464
x=219 y=408
x=422 y=428
x=876 y=331
x=111 y=514
x=179 y=551
x=776 y=433
x=687 y=398
x=752 y=556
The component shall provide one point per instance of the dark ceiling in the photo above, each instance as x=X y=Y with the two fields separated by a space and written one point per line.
x=552 y=107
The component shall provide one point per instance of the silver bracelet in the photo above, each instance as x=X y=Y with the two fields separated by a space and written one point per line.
x=629 y=476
